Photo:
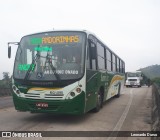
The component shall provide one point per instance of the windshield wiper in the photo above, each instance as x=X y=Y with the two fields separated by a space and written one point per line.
x=52 y=67
x=37 y=56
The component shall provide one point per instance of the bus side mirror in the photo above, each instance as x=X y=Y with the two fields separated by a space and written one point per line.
x=9 y=51
x=9 y=47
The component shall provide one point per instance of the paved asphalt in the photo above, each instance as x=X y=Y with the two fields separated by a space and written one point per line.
x=6 y=102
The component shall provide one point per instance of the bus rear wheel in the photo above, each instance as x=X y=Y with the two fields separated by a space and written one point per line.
x=119 y=90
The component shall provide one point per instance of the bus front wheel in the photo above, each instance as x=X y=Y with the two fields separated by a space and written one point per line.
x=99 y=103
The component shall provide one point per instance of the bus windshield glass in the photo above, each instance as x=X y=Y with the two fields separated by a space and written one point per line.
x=51 y=56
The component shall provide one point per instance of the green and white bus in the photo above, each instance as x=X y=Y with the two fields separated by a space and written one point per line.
x=64 y=72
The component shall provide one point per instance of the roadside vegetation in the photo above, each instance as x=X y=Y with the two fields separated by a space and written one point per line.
x=151 y=74
x=156 y=80
x=5 y=82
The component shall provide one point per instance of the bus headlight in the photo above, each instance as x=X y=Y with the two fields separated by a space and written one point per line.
x=14 y=88
x=18 y=92
x=72 y=94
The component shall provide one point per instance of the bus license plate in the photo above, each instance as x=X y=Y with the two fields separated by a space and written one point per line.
x=42 y=104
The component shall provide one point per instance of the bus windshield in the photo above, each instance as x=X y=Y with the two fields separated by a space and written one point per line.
x=51 y=56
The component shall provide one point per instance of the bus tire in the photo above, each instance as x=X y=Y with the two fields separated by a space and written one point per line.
x=119 y=90
x=99 y=103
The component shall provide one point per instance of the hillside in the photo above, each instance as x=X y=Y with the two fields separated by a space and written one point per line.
x=151 y=71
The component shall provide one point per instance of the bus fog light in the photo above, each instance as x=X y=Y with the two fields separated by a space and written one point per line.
x=72 y=94
x=78 y=90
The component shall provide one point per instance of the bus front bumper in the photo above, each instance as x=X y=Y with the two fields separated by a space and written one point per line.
x=69 y=106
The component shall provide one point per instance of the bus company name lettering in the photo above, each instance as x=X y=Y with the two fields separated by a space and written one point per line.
x=63 y=72
x=104 y=77
x=55 y=39
x=60 y=39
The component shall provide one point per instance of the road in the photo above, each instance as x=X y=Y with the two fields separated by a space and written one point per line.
x=130 y=112
x=6 y=102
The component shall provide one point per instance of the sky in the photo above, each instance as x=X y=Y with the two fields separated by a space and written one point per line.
x=130 y=28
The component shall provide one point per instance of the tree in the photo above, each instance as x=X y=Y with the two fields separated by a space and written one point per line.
x=6 y=80
x=6 y=76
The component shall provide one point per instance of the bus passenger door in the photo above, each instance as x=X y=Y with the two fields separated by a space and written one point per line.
x=91 y=76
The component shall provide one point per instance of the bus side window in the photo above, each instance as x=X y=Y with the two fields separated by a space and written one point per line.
x=121 y=67
x=108 y=54
x=118 y=68
x=93 y=55
x=113 y=63
x=88 y=58
x=100 y=56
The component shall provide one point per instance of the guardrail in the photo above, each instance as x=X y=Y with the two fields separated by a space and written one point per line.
x=156 y=107
x=5 y=92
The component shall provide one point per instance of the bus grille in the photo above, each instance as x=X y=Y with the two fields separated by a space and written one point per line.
x=46 y=96
x=32 y=95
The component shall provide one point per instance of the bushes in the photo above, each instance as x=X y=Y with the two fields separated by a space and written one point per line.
x=156 y=80
x=4 y=84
